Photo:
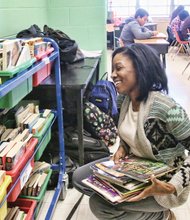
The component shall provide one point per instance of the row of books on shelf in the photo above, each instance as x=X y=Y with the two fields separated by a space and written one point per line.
x=33 y=190
x=14 y=141
x=15 y=213
x=29 y=117
x=119 y=182
x=36 y=180
x=14 y=52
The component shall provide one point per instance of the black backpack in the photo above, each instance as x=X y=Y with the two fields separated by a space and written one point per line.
x=68 y=48
x=94 y=149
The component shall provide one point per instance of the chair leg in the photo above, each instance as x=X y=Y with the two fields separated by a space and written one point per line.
x=172 y=46
x=177 y=51
x=185 y=69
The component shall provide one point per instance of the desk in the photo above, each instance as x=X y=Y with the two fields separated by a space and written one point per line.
x=160 y=45
x=74 y=79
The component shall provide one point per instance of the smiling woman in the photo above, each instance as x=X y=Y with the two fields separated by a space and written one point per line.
x=152 y=126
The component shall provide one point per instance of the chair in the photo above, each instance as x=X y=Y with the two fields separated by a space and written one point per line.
x=117 y=33
x=171 y=39
x=181 y=44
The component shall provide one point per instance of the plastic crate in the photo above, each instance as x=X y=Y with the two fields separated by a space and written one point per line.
x=26 y=205
x=40 y=197
x=44 y=54
x=14 y=96
x=40 y=75
x=15 y=173
x=46 y=139
x=6 y=75
x=3 y=192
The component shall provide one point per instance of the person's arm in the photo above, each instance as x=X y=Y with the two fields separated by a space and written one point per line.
x=122 y=151
x=178 y=126
x=140 y=33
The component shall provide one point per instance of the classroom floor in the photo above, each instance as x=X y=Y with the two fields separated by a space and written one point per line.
x=179 y=89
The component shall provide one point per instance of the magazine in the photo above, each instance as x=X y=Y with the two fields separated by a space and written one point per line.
x=112 y=193
x=136 y=168
x=129 y=184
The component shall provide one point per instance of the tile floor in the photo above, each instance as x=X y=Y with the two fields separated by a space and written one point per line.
x=179 y=89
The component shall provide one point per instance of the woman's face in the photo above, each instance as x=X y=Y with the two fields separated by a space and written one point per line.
x=123 y=75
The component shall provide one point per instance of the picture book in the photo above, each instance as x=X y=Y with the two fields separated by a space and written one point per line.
x=123 y=180
x=102 y=189
x=136 y=168
x=11 y=50
x=130 y=184
x=24 y=55
x=111 y=192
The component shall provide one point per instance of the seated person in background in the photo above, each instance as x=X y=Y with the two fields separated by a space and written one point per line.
x=178 y=21
x=185 y=29
x=135 y=30
x=176 y=12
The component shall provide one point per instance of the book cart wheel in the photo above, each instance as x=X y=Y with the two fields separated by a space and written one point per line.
x=65 y=187
x=63 y=192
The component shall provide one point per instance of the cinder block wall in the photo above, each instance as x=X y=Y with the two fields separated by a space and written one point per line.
x=16 y=15
x=82 y=20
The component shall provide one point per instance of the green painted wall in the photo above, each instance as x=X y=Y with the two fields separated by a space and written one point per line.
x=82 y=20
x=16 y=15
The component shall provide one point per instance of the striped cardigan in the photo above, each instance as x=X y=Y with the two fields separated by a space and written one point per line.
x=163 y=134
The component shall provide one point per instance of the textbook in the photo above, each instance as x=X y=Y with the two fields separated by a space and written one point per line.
x=22 y=113
x=22 y=136
x=6 y=134
x=14 y=155
x=136 y=168
x=14 y=132
x=29 y=122
x=38 y=125
x=12 y=213
x=3 y=145
x=4 y=152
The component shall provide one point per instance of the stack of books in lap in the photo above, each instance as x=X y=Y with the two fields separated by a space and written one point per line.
x=119 y=182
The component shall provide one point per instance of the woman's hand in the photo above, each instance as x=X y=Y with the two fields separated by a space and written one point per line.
x=119 y=154
x=157 y=188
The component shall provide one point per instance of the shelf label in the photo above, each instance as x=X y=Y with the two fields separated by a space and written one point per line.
x=25 y=175
x=46 y=60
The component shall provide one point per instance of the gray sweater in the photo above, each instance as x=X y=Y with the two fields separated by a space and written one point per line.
x=163 y=133
x=132 y=31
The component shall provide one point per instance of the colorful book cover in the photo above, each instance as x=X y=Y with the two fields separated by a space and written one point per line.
x=111 y=192
x=136 y=168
